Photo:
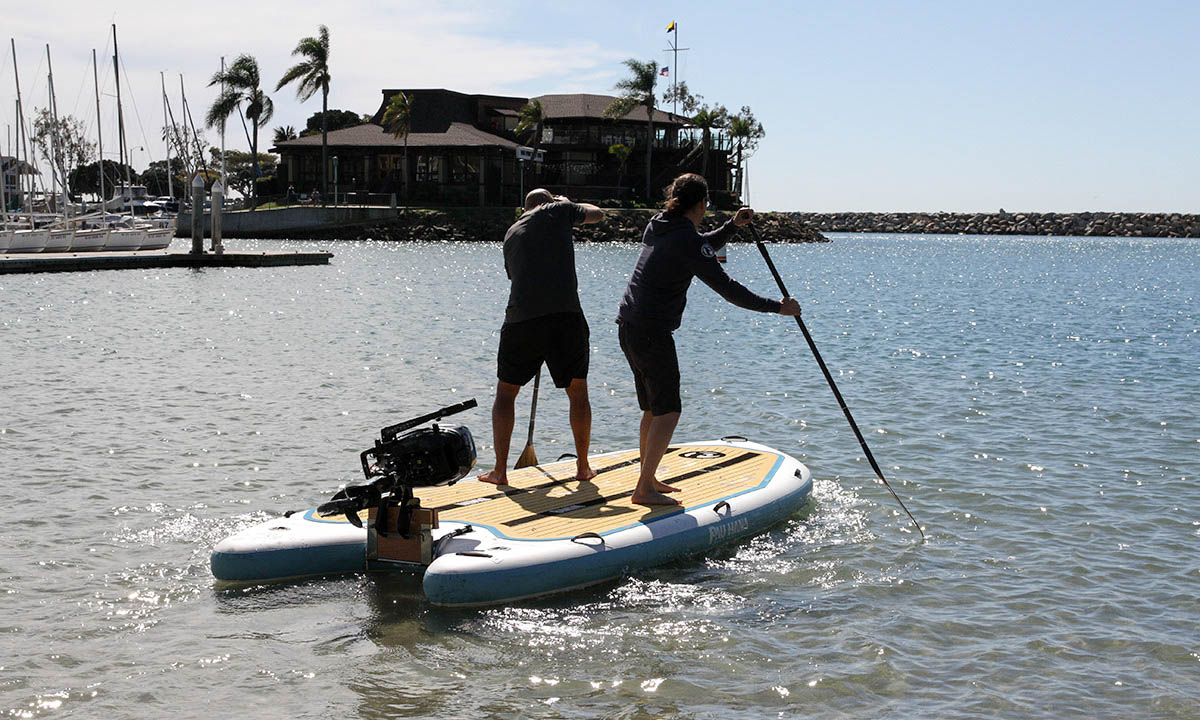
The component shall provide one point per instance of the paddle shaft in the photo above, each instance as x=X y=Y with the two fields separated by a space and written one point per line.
x=829 y=378
x=537 y=381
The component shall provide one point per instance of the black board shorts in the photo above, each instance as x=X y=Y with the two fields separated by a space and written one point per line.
x=651 y=356
x=559 y=340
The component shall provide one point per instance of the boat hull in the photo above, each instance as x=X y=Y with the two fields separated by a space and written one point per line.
x=546 y=532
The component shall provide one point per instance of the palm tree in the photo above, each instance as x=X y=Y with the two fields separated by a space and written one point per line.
x=284 y=133
x=397 y=118
x=746 y=131
x=240 y=83
x=638 y=89
x=707 y=118
x=531 y=120
x=621 y=152
x=313 y=75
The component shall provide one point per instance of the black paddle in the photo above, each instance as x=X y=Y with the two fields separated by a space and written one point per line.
x=528 y=456
x=832 y=385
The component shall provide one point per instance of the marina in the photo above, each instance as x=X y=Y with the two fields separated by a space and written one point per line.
x=53 y=262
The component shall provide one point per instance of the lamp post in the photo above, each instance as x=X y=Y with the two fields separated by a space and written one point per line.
x=335 y=179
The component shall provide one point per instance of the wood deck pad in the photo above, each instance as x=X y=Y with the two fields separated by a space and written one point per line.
x=545 y=502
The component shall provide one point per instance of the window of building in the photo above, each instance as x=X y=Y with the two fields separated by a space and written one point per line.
x=463 y=169
x=429 y=168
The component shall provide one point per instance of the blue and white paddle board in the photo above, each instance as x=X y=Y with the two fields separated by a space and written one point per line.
x=546 y=532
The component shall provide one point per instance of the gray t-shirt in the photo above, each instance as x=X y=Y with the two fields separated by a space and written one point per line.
x=539 y=257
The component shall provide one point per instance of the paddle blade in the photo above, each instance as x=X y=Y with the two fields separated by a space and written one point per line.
x=527 y=459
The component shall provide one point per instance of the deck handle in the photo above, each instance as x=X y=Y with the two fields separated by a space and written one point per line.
x=734 y=438
x=437 y=548
x=473 y=553
x=568 y=456
x=717 y=507
x=587 y=536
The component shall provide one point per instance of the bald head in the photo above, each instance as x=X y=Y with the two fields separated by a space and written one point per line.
x=534 y=198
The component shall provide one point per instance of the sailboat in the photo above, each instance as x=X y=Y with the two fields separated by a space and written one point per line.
x=120 y=238
x=31 y=239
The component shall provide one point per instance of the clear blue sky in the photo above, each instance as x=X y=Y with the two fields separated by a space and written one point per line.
x=888 y=106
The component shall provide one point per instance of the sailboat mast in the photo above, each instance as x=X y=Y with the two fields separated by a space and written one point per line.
x=22 y=139
x=121 y=117
x=167 y=137
x=99 y=135
x=58 y=173
x=223 y=177
x=4 y=177
x=183 y=120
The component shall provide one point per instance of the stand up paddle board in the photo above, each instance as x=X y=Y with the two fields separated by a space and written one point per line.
x=546 y=531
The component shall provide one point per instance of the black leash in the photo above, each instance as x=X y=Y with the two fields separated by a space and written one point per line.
x=832 y=385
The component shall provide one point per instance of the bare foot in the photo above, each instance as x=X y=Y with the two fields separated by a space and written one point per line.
x=496 y=476
x=662 y=487
x=584 y=471
x=653 y=497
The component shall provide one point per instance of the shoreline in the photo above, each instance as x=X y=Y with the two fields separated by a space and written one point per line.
x=1083 y=224
x=490 y=224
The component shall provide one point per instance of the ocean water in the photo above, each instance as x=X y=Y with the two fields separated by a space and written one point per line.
x=1032 y=400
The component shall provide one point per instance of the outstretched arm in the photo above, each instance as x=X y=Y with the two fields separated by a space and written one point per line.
x=717 y=238
x=591 y=213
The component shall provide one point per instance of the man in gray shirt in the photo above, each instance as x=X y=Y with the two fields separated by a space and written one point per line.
x=543 y=322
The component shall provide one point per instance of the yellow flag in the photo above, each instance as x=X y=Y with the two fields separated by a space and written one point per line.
x=671 y=26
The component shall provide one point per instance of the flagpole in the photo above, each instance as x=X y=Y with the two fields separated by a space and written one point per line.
x=675 y=75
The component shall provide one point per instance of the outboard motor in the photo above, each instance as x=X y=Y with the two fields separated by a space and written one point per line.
x=398 y=528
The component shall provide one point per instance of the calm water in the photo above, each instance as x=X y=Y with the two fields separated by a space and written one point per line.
x=1033 y=401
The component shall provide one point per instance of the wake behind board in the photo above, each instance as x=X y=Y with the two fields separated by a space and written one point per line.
x=546 y=532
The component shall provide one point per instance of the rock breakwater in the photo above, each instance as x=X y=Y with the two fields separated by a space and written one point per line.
x=1168 y=225
x=490 y=224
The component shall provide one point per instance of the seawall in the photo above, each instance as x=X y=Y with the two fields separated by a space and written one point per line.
x=490 y=224
x=456 y=224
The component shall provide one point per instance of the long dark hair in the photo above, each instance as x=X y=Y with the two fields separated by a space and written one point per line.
x=687 y=190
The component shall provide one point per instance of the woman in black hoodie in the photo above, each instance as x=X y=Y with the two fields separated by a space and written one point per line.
x=673 y=252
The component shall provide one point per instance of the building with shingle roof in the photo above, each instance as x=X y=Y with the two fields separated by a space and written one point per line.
x=462 y=149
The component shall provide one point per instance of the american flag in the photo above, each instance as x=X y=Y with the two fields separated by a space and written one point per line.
x=665 y=72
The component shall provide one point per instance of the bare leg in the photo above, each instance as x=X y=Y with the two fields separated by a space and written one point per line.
x=643 y=431
x=581 y=427
x=658 y=437
x=504 y=415
x=647 y=419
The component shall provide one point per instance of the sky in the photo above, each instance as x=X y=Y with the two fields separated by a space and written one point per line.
x=959 y=106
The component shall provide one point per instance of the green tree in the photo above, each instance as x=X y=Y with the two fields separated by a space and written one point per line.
x=86 y=178
x=397 y=119
x=638 y=90
x=67 y=136
x=242 y=168
x=680 y=94
x=284 y=133
x=240 y=82
x=621 y=153
x=708 y=119
x=187 y=148
x=530 y=122
x=746 y=131
x=333 y=119
x=312 y=74
x=155 y=178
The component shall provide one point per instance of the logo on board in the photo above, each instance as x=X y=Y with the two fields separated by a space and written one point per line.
x=707 y=251
x=702 y=454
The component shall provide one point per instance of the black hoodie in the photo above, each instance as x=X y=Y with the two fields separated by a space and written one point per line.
x=672 y=254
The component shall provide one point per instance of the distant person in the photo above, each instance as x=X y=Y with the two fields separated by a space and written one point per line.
x=543 y=322
x=291 y=194
x=316 y=197
x=673 y=252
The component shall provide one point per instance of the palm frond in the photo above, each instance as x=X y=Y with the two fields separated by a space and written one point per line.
x=222 y=107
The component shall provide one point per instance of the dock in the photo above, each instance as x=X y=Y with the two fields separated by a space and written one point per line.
x=83 y=261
